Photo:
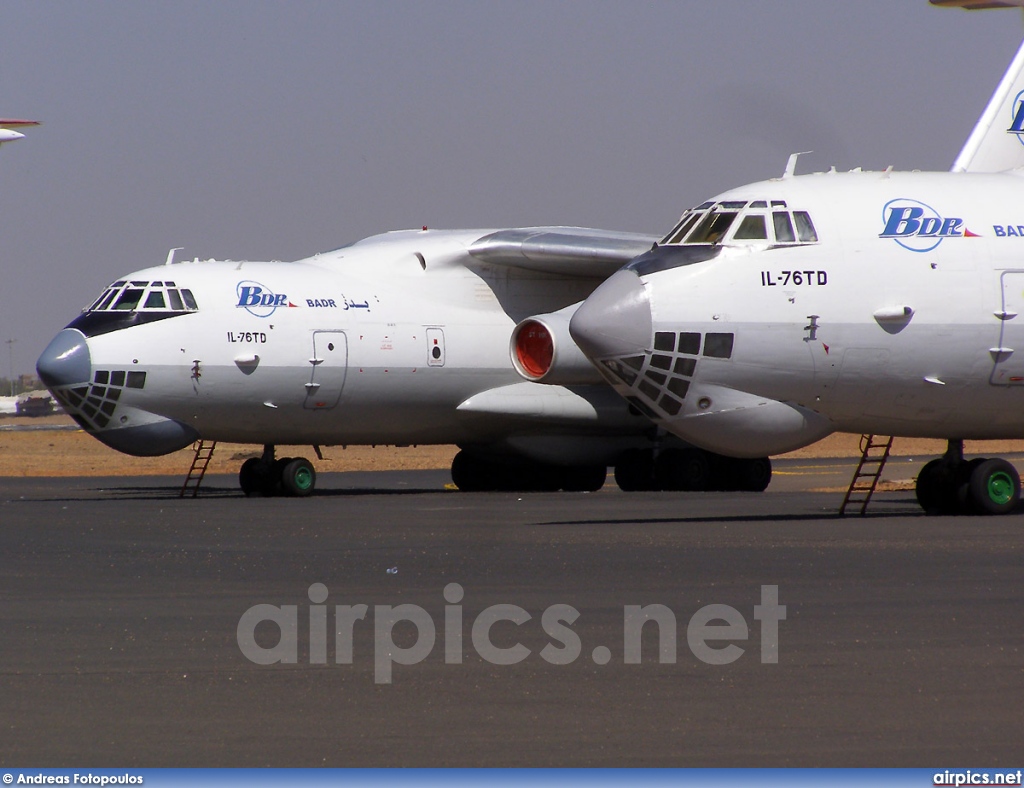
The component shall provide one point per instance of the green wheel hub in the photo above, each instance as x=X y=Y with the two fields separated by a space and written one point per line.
x=999 y=487
x=303 y=479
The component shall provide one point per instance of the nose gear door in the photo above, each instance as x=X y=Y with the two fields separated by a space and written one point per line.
x=329 y=364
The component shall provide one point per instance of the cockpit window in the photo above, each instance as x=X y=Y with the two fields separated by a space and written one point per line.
x=712 y=229
x=744 y=223
x=158 y=297
x=804 y=227
x=682 y=228
x=129 y=299
x=783 y=228
x=752 y=228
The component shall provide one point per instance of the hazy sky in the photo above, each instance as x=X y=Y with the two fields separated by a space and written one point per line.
x=273 y=130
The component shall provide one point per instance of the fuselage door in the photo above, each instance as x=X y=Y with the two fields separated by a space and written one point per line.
x=329 y=364
x=1008 y=354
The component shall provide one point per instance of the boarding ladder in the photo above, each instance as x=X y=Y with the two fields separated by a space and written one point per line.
x=874 y=451
x=200 y=462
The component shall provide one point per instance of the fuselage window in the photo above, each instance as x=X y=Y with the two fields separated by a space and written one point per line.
x=783 y=228
x=752 y=228
x=804 y=227
x=689 y=343
x=718 y=345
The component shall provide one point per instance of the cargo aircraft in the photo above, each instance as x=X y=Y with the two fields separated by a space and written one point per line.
x=8 y=126
x=400 y=338
x=873 y=302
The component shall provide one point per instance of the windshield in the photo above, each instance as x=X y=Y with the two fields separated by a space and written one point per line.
x=133 y=296
x=760 y=222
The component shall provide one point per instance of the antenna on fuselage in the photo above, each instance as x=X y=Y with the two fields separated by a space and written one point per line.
x=791 y=164
x=170 y=255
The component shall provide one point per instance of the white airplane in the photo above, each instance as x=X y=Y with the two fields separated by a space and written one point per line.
x=872 y=302
x=400 y=338
x=7 y=126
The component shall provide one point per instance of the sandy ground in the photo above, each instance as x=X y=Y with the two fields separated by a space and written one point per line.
x=74 y=453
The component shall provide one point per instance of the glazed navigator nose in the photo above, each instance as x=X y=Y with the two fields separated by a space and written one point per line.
x=66 y=360
x=615 y=320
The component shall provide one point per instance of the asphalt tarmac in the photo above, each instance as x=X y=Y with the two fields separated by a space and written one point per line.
x=125 y=610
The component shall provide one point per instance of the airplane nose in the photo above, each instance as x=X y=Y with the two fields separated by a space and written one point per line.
x=616 y=319
x=66 y=360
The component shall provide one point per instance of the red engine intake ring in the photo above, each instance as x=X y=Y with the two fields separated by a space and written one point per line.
x=535 y=349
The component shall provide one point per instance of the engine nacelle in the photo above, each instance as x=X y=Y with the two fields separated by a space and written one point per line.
x=543 y=352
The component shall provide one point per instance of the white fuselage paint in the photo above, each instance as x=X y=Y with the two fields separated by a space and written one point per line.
x=871 y=335
x=344 y=350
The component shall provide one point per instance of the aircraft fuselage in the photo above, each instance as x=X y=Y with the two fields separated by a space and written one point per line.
x=904 y=316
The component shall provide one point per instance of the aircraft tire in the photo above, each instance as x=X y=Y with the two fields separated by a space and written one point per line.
x=250 y=476
x=964 y=504
x=298 y=478
x=584 y=478
x=683 y=469
x=469 y=473
x=929 y=487
x=634 y=472
x=994 y=487
x=748 y=475
x=940 y=487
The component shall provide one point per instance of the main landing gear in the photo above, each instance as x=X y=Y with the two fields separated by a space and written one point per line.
x=266 y=476
x=953 y=485
x=475 y=473
x=639 y=470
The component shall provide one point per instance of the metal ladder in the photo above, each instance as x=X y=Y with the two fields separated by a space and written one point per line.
x=200 y=462
x=869 y=471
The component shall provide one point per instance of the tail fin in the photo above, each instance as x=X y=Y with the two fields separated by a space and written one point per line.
x=997 y=141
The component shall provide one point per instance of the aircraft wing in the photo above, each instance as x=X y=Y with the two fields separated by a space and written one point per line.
x=571 y=251
x=977 y=5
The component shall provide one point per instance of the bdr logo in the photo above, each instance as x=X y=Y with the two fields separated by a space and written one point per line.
x=1017 y=124
x=259 y=300
x=919 y=227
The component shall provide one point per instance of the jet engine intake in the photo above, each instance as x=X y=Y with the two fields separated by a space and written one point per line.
x=543 y=352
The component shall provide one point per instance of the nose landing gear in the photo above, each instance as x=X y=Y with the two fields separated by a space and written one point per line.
x=266 y=476
x=953 y=485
